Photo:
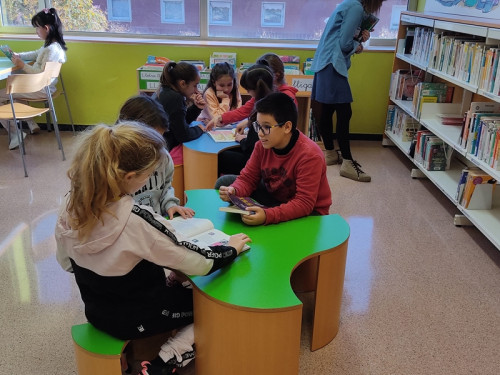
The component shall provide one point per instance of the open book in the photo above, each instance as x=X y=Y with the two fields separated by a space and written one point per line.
x=201 y=232
x=6 y=51
x=222 y=135
x=238 y=205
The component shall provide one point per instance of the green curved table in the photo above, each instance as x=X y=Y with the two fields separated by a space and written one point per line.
x=247 y=317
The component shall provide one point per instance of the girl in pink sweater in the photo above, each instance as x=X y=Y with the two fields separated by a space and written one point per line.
x=221 y=94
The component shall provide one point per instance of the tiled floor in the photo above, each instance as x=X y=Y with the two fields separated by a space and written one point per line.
x=421 y=296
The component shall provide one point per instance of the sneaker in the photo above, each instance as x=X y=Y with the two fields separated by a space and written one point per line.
x=33 y=126
x=14 y=142
x=332 y=157
x=153 y=369
x=352 y=169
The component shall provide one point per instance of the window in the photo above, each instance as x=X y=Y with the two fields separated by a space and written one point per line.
x=291 y=20
x=220 y=13
x=172 y=11
x=119 y=10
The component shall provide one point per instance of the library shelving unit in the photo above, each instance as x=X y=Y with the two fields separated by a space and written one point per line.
x=465 y=92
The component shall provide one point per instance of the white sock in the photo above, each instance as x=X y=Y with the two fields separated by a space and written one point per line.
x=176 y=346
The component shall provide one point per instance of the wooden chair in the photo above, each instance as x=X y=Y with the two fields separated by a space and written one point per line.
x=54 y=70
x=22 y=84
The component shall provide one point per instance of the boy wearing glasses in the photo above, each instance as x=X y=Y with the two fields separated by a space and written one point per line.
x=286 y=171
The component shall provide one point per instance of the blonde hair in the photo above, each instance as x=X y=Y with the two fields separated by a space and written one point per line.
x=104 y=156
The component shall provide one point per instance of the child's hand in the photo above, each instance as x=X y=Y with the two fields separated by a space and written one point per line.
x=203 y=127
x=242 y=125
x=185 y=212
x=221 y=95
x=238 y=137
x=216 y=121
x=225 y=191
x=359 y=49
x=238 y=241
x=198 y=100
x=258 y=218
x=16 y=60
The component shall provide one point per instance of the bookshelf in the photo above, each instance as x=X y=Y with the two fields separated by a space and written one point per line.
x=469 y=84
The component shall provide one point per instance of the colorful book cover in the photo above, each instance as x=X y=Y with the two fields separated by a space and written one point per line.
x=6 y=51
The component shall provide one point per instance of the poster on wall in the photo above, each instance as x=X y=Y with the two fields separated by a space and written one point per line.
x=474 y=8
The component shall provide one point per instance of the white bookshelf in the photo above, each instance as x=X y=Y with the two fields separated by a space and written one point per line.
x=487 y=221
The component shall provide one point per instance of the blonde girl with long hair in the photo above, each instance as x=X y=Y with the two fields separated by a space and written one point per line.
x=118 y=250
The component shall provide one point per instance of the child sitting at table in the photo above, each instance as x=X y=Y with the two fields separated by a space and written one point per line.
x=221 y=94
x=286 y=171
x=179 y=82
x=118 y=249
x=158 y=192
x=48 y=27
x=258 y=81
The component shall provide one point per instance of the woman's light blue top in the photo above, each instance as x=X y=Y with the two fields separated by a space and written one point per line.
x=337 y=43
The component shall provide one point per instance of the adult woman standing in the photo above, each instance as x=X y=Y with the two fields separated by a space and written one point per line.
x=341 y=39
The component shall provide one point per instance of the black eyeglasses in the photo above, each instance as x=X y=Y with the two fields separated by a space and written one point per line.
x=265 y=129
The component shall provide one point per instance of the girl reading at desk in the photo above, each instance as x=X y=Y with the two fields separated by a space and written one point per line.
x=48 y=27
x=178 y=84
x=118 y=249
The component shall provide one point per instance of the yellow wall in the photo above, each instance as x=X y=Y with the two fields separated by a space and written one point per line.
x=99 y=77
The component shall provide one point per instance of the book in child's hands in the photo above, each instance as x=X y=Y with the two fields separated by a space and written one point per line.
x=7 y=51
x=201 y=232
x=222 y=135
x=238 y=205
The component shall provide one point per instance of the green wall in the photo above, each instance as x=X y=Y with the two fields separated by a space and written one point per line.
x=99 y=77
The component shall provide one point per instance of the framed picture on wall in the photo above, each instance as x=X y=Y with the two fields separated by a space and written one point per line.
x=220 y=13
x=272 y=14
x=172 y=11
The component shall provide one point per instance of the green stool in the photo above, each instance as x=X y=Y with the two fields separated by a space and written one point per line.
x=96 y=352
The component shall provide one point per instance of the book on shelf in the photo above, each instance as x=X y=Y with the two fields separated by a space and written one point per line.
x=222 y=135
x=474 y=136
x=451 y=119
x=403 y=82
x=409 y=39
x=7 y=51
x=239 y=204
x=478 y=191
x=461 y=184
x=430 y=92
x=420 y=137
x=435 y=158
x=200 y=64
x=307 y=66
x=389 y=120
x=483 y=107
x=200 y=232
x=220 y=57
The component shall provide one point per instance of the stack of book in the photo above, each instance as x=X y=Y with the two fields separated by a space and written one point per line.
x=431 y=152
x=403 y=82
x=421 y=44
x=489 y=79
x=291 y=64
x=430 y=92
x=480 y=135
x=400 y=124
x=475 y=189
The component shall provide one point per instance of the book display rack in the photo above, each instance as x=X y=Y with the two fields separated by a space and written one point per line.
x=460 y=56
